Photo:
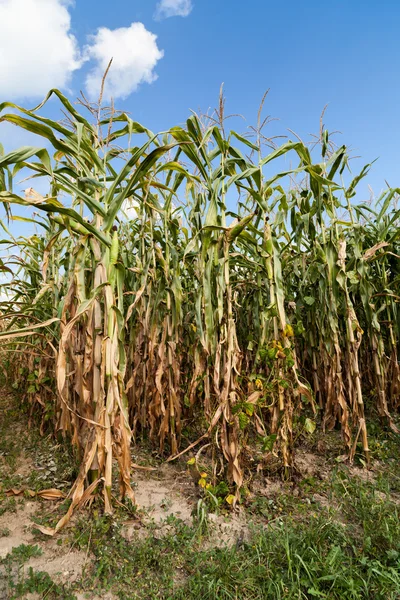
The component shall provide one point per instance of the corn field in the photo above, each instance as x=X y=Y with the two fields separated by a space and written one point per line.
x=183 y=289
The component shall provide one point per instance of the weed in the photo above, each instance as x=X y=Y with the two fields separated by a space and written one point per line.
x=17 y=584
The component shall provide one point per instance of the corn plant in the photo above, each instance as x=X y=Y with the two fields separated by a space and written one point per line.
x=151 y=301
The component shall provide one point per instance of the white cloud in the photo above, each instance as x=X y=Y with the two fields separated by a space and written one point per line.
x=37 y=49
x=39 y=52
x=135 y=54
x=130 y=208
x=173 y=8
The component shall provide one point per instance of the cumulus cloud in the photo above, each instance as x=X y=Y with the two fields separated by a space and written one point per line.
x=37 y=48
x=38 y=52
x=173 y=8
x=135 y=54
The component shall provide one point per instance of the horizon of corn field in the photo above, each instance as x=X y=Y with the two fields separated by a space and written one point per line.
x=150 y=304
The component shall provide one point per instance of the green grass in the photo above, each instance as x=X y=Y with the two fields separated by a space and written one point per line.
x=315 y=553
x=139 y=569
x=16 y=583
x=40 y=582
x=347 y=548
x=295 y=559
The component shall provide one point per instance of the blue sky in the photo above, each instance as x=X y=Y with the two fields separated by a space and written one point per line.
x=344 y=53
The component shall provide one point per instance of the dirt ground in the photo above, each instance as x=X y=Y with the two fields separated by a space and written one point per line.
x=165 y=493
